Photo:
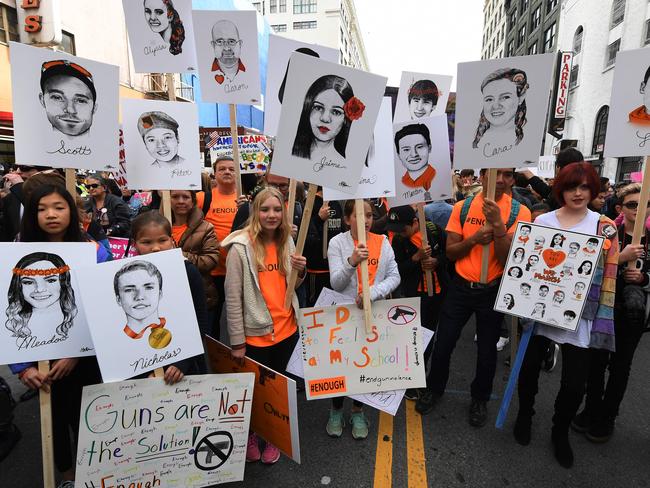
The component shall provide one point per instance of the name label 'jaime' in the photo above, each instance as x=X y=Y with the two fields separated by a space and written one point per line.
x=327 y=163
x=72 y=151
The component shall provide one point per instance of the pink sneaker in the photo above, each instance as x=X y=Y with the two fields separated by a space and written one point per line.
x=271 y=454
x=253 y=448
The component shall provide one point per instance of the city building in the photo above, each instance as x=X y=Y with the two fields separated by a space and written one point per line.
x=494 y=29
x=532 y=26
x=331 y=23
x=595 y=30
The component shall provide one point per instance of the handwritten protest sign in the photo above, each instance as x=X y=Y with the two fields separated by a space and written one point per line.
x=145 y=433
x=546 y=167
x=254 y=150
x=119 y=246
x=549 y=272
x=340 y=359
x=274 y=414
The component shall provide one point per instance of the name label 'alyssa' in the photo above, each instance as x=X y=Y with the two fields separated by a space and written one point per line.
x=148 y=50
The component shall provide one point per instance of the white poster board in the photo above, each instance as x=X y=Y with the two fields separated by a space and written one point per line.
x=421 y=95
x=421 y=160
x=501 y=108
x=546 y=167
x=628 y=124
x=42 y=316
x=65 y=109
x=140 y=313
x=161 y=144
x=161 y=35
x=378 y=175
x=339 y=359
x=326 y=124
x=280 y=49
x=227 y=56
x=548 y=274
x=143 y=433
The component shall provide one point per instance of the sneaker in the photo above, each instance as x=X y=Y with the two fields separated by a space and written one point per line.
x=503 y=342
x=550 y=361
x=271 y=454
x=359 y=425
x=600 y=432
x=426 y=401
x=335 y=423
x=66 y=484
x=477 y=413
x=522 y=429
x=8 y=440
x=411 y=394
x=581 y=422
x=253 y=448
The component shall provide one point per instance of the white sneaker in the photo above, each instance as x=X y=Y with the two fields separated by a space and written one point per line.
x=503 y=342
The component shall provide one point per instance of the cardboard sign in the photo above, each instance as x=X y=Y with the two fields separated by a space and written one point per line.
x=119 y=245
x=40 y=301
x=65 y=109
x=254 y=150
x=501 y=108
x=421 y=95
x=143 y=433
x=274 y=414
x=546 y=167
x=339 y=359
x=548 y=274
x=140 y=313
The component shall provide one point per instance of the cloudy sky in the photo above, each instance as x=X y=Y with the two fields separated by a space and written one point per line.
x=429 y=36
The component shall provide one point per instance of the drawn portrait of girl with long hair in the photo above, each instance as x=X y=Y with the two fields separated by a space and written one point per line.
x=40 y=297
x=163 y=19
x=503 y=117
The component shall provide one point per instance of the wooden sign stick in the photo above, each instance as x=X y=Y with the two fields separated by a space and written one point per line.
x=47 y=447
x=291 y=205
x=359 y=209
x=491 y=175
x=300 y=244
x=235 y=146
x=325 y=229
x=639 y=222
x=428 y=276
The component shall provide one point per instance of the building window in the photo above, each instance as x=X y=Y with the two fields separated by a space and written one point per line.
x=550 y=5
x=573 y=77
x=646 y=37
x=67 y=43
x=600 y=129
x=521 y=35
x=283 y=6
x=577 y=40
x=310 y=24
x=549 y=38
x=612 y=49
x=618 y=13
x=513 y=19
x=524 y=5
x=279 y=27
x=536 y=18
x=273 y=6
x=8 y=24
x=532 y=49
x=511 y=48
x=304 y=6
x=258 y=7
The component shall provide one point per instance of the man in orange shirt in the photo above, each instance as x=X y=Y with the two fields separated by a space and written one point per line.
x=474 y=222
x=223 y=208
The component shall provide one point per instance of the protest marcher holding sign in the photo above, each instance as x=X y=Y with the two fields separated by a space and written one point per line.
x=474 y=222
x=630 y=314
x=51 y=215
x=345 y=255
x=107 y=210
x=260 y=260
x=574 y=188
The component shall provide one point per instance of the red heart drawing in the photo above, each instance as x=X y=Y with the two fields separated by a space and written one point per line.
x=552 y=257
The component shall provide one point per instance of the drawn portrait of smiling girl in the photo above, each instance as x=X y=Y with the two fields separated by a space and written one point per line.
x=41 y=299
x=163 y=19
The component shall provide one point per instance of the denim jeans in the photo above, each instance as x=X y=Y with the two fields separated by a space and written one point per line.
x=459 y=305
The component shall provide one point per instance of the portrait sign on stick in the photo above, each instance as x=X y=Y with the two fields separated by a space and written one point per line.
x=280 y=50
x=40 y=299
x=378 y=175
x=340 y=359
x=227 y=56
x=548 y=274
x=161 y=35
x=326 y=124
x=161 y=144
x=65 y=109
x=143 y=433
x=140 y=313
x=421 y=95
x=501 y=108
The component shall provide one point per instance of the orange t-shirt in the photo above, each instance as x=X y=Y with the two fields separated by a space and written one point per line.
x=469 y=266
x=221 y=215
x=416 y=239
x=373 y=243
x=178 y=231
x=273 y=285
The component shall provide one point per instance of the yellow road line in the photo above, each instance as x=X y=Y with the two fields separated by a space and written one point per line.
x=384 y=455
x=417 y=471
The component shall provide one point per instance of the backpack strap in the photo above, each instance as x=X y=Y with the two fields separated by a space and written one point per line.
x=515 y=206
x=207 y=201
x=464 y=210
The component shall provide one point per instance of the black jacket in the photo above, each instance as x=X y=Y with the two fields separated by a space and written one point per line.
x=10 y=225
x=314 y=243
x=119 y=215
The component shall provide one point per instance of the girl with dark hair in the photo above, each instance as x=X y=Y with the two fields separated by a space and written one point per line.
x=326 y=117
x=164 y=20
x=52 y=216
x=558 y=240
x=585 y=268
x=503 y=116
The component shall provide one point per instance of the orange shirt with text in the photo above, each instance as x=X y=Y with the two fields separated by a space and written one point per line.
x=221 y=215
x=373 y=243
x=178 y=231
